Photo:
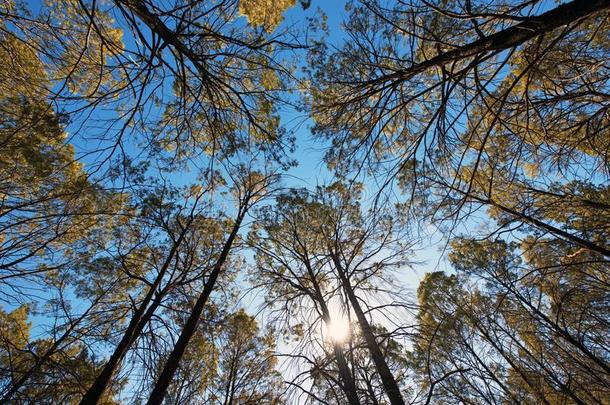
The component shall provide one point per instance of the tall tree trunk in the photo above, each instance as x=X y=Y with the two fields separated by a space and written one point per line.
x=387 y=378
x=136 y=324
x=229 y=388
x=171 y=365
x=526 y=30
x=348 y=384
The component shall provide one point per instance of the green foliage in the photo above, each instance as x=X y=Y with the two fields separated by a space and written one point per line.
x=129 y=127
x=62 y=379
x=265 y=13
x=231 y=362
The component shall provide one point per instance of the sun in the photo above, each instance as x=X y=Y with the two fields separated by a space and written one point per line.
x=338 y=330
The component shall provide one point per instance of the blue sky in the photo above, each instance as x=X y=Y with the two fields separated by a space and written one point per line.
x=310 y=171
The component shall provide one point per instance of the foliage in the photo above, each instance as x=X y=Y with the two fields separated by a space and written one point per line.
x=145 y=210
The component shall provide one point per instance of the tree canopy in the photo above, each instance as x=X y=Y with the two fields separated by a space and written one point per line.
x=280 y=202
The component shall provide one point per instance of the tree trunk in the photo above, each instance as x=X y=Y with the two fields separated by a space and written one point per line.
x=526 y=30
x=136 y=324
x=387 y=378
x=349 y=386
x=171 y=365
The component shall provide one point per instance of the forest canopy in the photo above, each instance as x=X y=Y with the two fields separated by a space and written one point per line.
x=245 y=202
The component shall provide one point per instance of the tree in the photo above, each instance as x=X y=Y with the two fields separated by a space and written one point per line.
x=514 y=336
x=458 y=94
x=290 y=269
x=251 y=188
x=186 y=82
x=361 y=249
x=370 y=385
x=491 y=120
x=246 y=364
x=229 y=360
x=320 y=246
x=178 y=232
x=62 y=378
x=402 y=57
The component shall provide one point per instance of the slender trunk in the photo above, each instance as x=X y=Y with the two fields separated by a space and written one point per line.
x=136 y=324
x=387 y=378
x=535 y=222
x=516 y=35
x=171 y=365
x=562 y=332
x=229 y=385
x=348 y=384
x=233 y=382
x=40 y=361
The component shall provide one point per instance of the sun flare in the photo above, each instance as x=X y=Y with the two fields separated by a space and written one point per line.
x=338 y=330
